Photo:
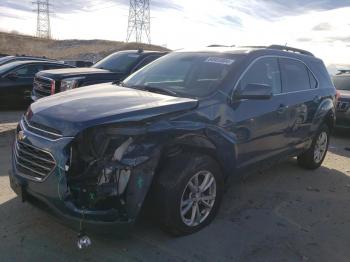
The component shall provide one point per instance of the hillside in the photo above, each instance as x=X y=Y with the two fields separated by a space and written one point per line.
x=91 y=50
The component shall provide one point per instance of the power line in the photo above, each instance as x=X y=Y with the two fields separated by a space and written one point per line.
x=139 y=23
x=43 y=28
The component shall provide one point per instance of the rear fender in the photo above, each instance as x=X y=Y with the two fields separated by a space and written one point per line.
x=325 y=114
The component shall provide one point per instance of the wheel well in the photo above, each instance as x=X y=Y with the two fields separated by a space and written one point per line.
x=329 y=120
x=179 y=149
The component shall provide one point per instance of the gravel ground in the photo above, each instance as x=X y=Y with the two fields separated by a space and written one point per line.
x=283 y=214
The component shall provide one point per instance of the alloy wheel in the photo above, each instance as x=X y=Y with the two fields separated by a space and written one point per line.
x=198 y=198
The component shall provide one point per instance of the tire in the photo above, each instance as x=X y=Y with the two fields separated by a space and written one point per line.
x=313 y=158
x=175 y=193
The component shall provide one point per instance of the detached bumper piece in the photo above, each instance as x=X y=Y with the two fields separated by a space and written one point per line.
x=94 y=221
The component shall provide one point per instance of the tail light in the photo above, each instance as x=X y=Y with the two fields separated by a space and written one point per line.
x=337 y=96
x=53 y=87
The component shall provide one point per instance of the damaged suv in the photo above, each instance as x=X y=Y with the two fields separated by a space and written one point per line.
x=172 y=133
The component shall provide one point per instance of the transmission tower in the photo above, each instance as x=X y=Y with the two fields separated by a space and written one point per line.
x=139 y=23
x=43 y=28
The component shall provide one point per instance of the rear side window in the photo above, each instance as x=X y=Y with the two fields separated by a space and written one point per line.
x=265 y=71
x=295 y=75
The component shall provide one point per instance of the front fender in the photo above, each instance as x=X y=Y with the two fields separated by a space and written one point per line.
x=211 y=140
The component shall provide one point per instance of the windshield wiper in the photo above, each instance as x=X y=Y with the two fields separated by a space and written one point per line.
x=155 y=89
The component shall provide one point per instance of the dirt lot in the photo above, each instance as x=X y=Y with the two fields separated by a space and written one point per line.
x=284 y=214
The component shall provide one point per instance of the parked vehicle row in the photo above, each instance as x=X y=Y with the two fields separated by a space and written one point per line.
x=113 y=68
x=16 y=80
x=174 y=132
x=19 y=88
x=342 y=84
x=9 y=59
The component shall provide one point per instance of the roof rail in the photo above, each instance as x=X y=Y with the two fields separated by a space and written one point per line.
x=343 y=71
x=291 y=49
x=253 y=46
x=216 y=45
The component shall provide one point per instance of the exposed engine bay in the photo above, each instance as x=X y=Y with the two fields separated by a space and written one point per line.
x=103 y=163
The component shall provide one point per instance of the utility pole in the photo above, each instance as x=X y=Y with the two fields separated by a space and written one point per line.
x=43 y=29
x=139 y=23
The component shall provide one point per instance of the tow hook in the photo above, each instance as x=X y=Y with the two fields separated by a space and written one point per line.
x=83 y=240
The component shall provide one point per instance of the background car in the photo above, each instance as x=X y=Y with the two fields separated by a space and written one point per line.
x=78 y=63
x=113 y=68
x=9 y=59
x=16 y=80
x=342 y=84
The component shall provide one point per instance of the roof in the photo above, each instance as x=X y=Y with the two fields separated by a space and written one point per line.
x=18 y=63
x=276 y=49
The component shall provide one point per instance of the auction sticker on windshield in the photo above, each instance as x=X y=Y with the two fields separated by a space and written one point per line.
x=220 y=60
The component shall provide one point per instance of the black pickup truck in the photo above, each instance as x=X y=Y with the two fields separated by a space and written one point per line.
x=113 y=68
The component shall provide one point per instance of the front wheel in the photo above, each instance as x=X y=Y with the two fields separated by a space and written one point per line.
x=189 y=191
x=314 y=156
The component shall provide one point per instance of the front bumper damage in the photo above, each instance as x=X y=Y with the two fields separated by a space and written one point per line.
x=102 y=194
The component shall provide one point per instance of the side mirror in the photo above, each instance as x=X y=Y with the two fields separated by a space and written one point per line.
x=255 y=91
x=12 y=76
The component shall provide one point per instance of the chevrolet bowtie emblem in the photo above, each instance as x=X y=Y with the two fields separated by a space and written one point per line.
x=21 y=136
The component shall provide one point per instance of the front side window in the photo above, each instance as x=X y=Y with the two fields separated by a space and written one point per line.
x=295 y=75
x=118 y=62
x=190 y=74
x=265 y=71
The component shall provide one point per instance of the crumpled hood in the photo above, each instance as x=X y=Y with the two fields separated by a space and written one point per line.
x=344 y=93
x=73 y=111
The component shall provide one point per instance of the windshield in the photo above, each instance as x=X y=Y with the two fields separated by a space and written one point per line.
x=342 y=82
x=188 y=74
x=118 y=62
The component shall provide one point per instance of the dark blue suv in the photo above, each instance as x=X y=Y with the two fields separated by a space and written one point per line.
x=173 y=133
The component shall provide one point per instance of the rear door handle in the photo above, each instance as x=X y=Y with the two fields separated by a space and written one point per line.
x=282 y=108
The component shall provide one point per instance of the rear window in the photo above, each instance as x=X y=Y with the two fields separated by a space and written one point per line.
x=295 y=75
x=342 y=82
x=118 y=62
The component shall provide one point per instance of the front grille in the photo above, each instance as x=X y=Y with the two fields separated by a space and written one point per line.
x=43 y=87
x=41 y=130
x=343 y=106
x=33 y=162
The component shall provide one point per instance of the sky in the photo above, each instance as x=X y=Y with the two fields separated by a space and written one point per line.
x=320 y=26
